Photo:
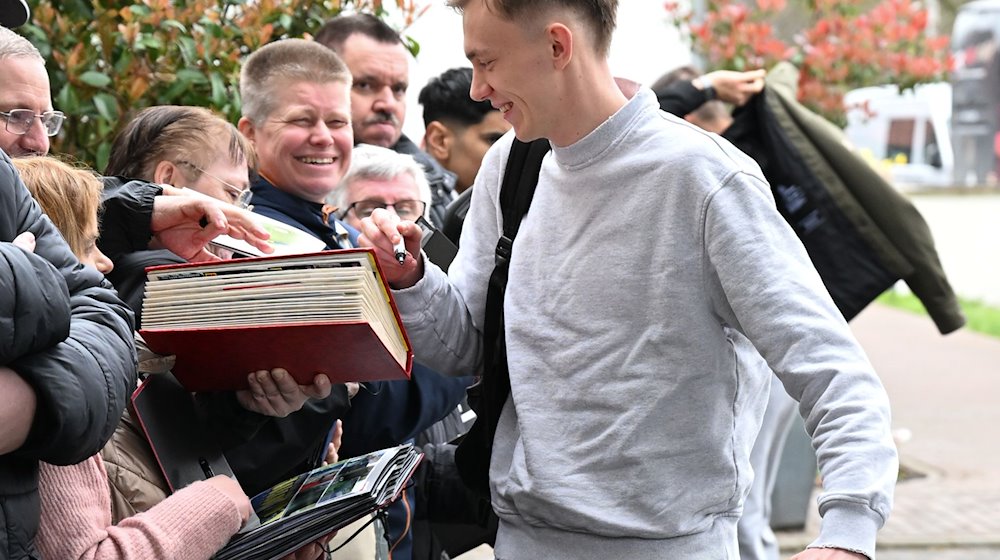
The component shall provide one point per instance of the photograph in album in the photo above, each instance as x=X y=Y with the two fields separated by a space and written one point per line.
x=300 y=510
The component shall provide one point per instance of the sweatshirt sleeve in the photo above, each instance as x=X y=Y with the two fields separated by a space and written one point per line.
x=774 y=295
x=192 y=524
x=443 y=313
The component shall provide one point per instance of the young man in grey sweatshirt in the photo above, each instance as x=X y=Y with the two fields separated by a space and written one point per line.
x=650 y=275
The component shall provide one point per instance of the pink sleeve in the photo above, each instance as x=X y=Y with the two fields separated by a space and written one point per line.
x=191 y=524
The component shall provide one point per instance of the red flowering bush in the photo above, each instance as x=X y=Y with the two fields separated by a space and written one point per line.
x=845 y=47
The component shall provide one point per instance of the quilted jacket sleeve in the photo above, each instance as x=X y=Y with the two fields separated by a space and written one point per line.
x=64 y=331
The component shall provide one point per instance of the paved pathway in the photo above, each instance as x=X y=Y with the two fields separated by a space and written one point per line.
x=944 y=392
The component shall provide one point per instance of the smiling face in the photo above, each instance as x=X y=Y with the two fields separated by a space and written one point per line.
x=304 y=145
x=512 y=70
x=378 y=95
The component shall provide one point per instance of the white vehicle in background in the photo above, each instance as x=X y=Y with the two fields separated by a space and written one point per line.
x=904 y=133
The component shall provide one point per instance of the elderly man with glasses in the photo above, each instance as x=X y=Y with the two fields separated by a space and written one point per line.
x=381 y=178
x=25 y=100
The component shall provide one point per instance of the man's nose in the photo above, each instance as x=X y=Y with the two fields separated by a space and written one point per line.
x=386 y=98
x=479 y=90
x=35 y=141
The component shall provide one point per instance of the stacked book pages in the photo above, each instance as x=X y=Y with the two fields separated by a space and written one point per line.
x=329 y=312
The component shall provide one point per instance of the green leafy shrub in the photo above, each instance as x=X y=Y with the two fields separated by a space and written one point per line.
x=108 y=59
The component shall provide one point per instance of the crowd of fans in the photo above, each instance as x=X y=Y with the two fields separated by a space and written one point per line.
x=320 y=147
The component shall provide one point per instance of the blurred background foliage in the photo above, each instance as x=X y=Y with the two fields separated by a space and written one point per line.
x=108 y=59
x=838 y=45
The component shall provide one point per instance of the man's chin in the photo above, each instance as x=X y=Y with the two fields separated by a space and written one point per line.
x=382 y=139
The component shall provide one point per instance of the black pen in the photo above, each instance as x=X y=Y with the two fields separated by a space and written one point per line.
x=400 y=248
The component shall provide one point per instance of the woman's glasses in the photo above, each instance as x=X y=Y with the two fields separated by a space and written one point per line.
x=241 y=197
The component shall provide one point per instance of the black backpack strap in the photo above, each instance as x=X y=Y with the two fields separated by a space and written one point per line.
x=520 y=178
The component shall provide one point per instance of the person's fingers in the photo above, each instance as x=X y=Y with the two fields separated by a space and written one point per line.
x=25 y=240
x=242 y=225
x=267 y=382
x=413 y=235
x=204 y=255
x=386 y=223
x=338 y=434
x=213 y=219
x=254 y=398
x=352 y=388
x=283 y=382
x=320 y=388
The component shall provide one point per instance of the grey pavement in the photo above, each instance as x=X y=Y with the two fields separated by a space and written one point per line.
x=944 y=392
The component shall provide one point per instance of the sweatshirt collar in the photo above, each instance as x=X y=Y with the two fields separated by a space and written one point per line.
x=592 y=148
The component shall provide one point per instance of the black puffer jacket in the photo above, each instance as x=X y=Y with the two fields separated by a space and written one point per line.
x=64 y=330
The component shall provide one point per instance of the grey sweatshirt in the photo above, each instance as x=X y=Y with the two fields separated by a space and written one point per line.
x=650 y=266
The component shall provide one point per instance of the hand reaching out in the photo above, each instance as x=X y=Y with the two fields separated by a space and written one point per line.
x=231 y=488
x=381 y=230
x=185 y=222
x=736 y=87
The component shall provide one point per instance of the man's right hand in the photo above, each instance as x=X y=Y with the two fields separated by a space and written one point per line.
x=381 y=230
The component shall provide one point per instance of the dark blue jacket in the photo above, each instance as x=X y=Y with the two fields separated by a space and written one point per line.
x=301 y=214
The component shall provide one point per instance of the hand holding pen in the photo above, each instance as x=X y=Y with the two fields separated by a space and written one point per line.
x=397 y=246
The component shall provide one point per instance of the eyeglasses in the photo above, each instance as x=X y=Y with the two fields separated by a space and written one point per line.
x=241 y=197
x=19 y=121
x=405 y=209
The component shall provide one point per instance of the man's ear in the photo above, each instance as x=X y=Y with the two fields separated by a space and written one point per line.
x=246 y=128
x=166 y=173
x=560 y=39
x=438 y=140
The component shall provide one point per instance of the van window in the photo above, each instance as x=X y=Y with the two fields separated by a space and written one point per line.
x=932 y=153
x=899 y=147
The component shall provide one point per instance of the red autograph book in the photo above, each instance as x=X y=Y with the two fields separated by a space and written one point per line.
x=330 y=312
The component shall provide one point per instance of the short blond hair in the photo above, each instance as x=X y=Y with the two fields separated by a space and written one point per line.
x=278 y=65
x=70 y=196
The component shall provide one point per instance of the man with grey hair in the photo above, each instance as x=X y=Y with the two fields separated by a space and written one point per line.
x=381 y=178
x=25 y=99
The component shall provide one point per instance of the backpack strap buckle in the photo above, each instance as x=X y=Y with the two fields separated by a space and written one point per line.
x=504 y=247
